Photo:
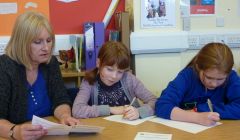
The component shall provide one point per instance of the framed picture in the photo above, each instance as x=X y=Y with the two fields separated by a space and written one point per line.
x=202 y=7
x=158 y=13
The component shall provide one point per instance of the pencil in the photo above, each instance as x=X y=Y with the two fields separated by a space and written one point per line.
x=132 y=101
x=210 y=105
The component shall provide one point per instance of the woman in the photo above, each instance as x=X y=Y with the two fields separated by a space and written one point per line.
x=209 y=76
x=30 y=81
x=110 y=88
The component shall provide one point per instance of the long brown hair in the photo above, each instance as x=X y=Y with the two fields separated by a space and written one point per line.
x=111 y=53
x=213 y=55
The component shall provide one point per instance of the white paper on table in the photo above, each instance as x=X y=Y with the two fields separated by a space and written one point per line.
x=53 y=128
x=152 y=136
x=119 y=118
x=185 y=126
x=60 y=129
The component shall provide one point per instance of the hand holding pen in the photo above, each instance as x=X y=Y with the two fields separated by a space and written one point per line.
x=213 y=117
x=130 y=112
x=205 y=118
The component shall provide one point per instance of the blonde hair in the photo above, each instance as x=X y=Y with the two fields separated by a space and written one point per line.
x=27 y=28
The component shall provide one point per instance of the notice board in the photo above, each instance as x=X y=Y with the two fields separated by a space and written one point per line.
x=66 y=18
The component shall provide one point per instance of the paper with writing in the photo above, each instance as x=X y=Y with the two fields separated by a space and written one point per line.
x=152 y=136
x=60 y=129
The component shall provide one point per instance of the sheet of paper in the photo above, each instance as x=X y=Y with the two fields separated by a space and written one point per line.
x=152 y=136
x=86 y=129
x=44 y=123
x=60 y=129
x=185 y=126
x=53 y=128
x=119 y=118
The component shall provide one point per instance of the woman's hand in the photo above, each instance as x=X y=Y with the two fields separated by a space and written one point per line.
x=130 y=113
x=68 y=120
x=63 y=114
x=28 y=132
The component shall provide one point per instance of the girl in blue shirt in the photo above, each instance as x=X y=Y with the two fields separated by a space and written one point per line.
x=208 y=76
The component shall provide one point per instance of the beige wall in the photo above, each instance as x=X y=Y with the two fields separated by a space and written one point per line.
x=156 y=70
x=224 y=8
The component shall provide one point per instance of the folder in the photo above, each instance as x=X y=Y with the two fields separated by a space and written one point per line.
x=90 y=56
x=99 y=36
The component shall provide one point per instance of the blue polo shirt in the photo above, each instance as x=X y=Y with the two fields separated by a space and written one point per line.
x=39 y=103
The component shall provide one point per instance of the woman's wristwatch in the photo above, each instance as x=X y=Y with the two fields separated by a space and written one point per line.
x=11 y=132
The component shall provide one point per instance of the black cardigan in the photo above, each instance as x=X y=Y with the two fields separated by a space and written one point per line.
x=13 y=89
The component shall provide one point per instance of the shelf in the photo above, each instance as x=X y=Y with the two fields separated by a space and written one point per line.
x=72 y=74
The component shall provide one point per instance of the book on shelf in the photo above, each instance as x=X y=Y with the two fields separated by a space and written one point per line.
x=61 y=129
x=113 y=35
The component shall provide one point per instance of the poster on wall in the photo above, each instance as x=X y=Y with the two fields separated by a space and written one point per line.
x=202 y=7
x=158 y=13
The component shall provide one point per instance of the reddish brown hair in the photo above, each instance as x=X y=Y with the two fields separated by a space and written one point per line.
x=111 y=53
x=213 y=55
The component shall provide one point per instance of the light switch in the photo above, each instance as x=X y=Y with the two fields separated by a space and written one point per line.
x=219 y=22
x=186 y=24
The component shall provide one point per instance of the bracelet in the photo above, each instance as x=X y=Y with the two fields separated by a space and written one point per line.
x=11 y=132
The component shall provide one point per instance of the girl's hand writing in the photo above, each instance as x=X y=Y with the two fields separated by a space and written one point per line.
x=117 y=110
x=130 y=113
x=208 y=118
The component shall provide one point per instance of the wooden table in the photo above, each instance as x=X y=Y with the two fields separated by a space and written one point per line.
x=229 y=130
x=73 y=74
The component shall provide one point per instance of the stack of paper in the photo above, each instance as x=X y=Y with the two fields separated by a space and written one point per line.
x=60 y=129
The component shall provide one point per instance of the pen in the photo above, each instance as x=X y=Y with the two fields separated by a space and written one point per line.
x=132 y=101
x=210 y=105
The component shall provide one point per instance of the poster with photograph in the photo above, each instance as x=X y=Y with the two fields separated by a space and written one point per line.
x=158 y=13
x=202 y=7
